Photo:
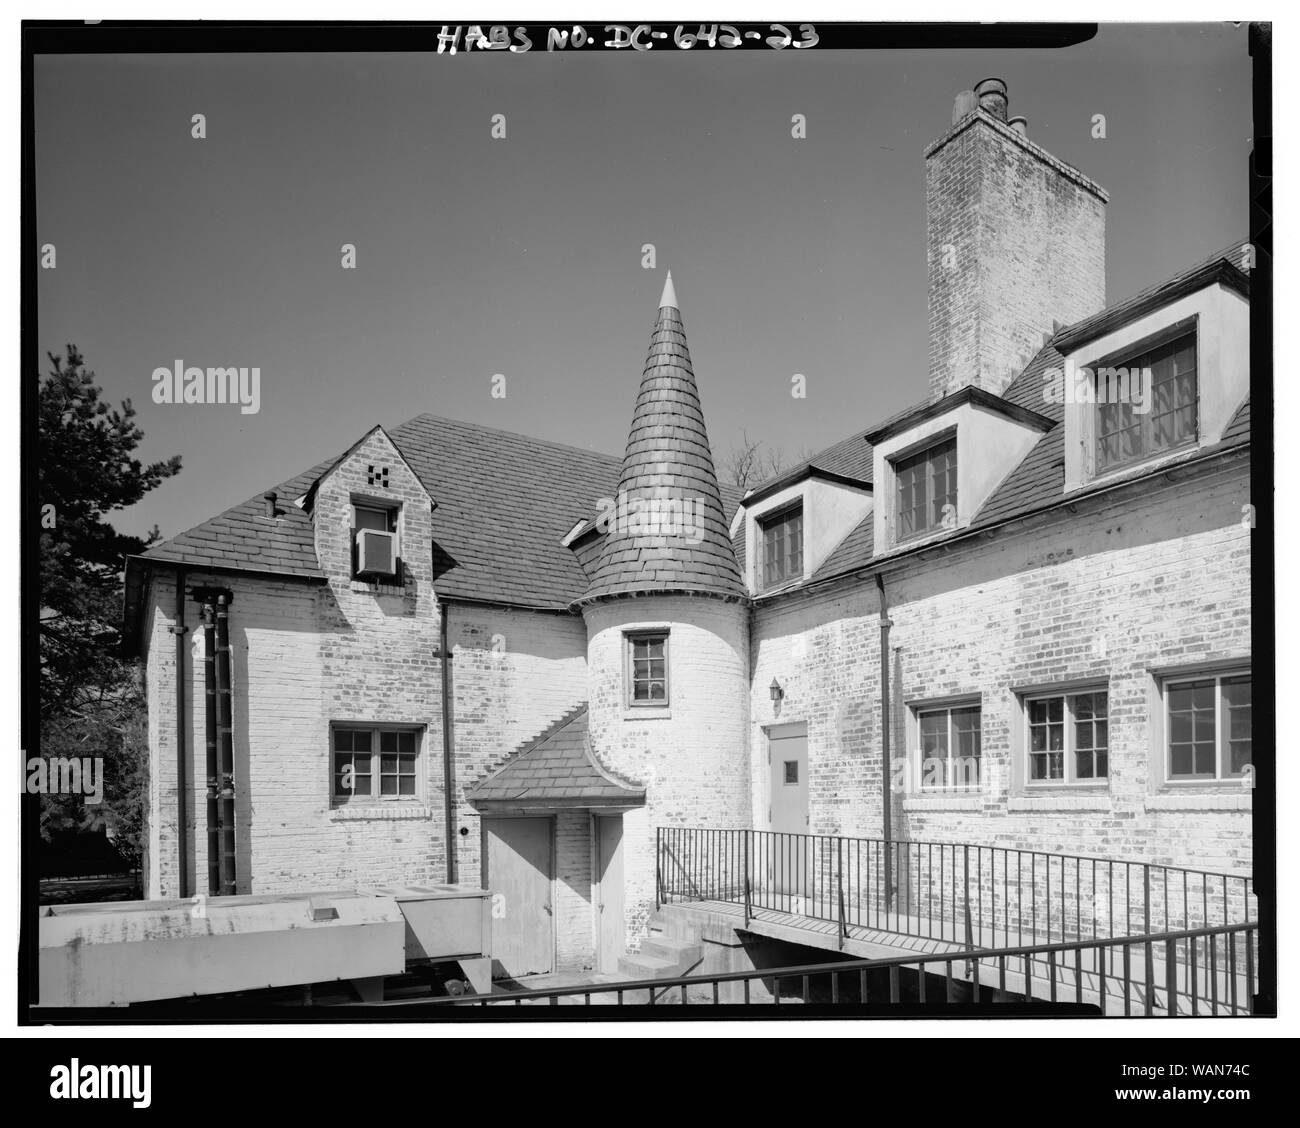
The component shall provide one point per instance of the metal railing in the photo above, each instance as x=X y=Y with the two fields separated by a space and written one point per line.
x=958 y=893
x=1066 y=974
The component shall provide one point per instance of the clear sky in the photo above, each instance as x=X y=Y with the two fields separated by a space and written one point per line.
x=522 y=256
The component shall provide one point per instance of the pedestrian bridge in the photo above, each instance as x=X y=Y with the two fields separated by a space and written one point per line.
x=1122 y=937
x=929 y=925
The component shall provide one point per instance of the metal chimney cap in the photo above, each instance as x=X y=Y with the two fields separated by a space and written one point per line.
x=270 y=497
x=992 y=95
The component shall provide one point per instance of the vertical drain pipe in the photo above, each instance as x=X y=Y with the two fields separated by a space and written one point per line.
x=182 y=745
x=447 y=716
x=885 y=764
x=210 y=739
x=226 y=744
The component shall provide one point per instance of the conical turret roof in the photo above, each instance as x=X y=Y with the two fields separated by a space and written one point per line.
x=668 y=532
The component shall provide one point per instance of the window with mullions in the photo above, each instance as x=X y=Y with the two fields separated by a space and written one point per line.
x=782 y=547
x=647 y=669
x=950 y=747
x=1208 y=727
x=1126 y=434
x=375 y=763
x=927 y=489
x=1069 y=738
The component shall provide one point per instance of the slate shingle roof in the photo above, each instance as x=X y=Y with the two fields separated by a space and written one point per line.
x=1039 y=479
x=556 y=768
x=244 y=537
x=668 y=461
x=853 y=551
x=504 y=503
x=1239 y=425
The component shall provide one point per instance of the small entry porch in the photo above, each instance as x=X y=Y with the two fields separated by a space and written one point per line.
x=553 y=856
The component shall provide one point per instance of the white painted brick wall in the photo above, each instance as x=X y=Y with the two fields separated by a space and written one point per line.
x=1163 y=582
x=305 y=655
x=516 y=672
x=693 y=762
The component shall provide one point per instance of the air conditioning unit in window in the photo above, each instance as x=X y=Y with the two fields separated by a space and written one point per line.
x=376 y=553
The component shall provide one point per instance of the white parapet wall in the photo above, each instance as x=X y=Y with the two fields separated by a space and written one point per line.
x=105 y=955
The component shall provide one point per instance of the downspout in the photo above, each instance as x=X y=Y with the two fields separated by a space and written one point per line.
x=226 y=744
x=182 y=749
x=210 y=741
x=885 y=762
x=447 y=741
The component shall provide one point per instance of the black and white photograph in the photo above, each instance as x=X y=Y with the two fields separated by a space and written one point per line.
x=663 y=526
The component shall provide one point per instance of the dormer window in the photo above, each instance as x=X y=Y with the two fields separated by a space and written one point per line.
x=1147 y=404
x=374 y=542
x=926 y=489
x=782 y=546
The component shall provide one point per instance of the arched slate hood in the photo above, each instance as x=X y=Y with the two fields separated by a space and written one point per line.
x=557 y=769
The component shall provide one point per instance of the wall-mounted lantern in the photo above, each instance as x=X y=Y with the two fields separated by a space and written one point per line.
x=776 y=691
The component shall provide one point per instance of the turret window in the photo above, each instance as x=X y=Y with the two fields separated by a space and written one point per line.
x=647 y=668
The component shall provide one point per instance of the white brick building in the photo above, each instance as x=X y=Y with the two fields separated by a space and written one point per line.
x=447 y=663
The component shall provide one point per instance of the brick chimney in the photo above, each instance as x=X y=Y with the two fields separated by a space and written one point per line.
x=1016 y=241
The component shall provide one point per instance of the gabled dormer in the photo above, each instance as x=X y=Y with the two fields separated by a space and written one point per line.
x=372 y=520
x=1155 y=378
x=937 y=464
x=793 y=524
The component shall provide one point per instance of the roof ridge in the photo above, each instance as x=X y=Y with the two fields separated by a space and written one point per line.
x=612 y=458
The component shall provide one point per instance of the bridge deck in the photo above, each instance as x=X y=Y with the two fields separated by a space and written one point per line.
x=1051 y=978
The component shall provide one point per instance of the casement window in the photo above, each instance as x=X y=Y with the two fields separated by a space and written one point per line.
x=1207 y=727
x=782 y=536
x=949 y=740
x=1068 y=738
x=1163 y=418
x=374 y=542
x=926 y=490
x=375 y=763
x=646 y=668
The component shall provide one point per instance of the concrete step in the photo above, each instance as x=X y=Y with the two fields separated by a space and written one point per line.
x=661 y=958
x=647 y=967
